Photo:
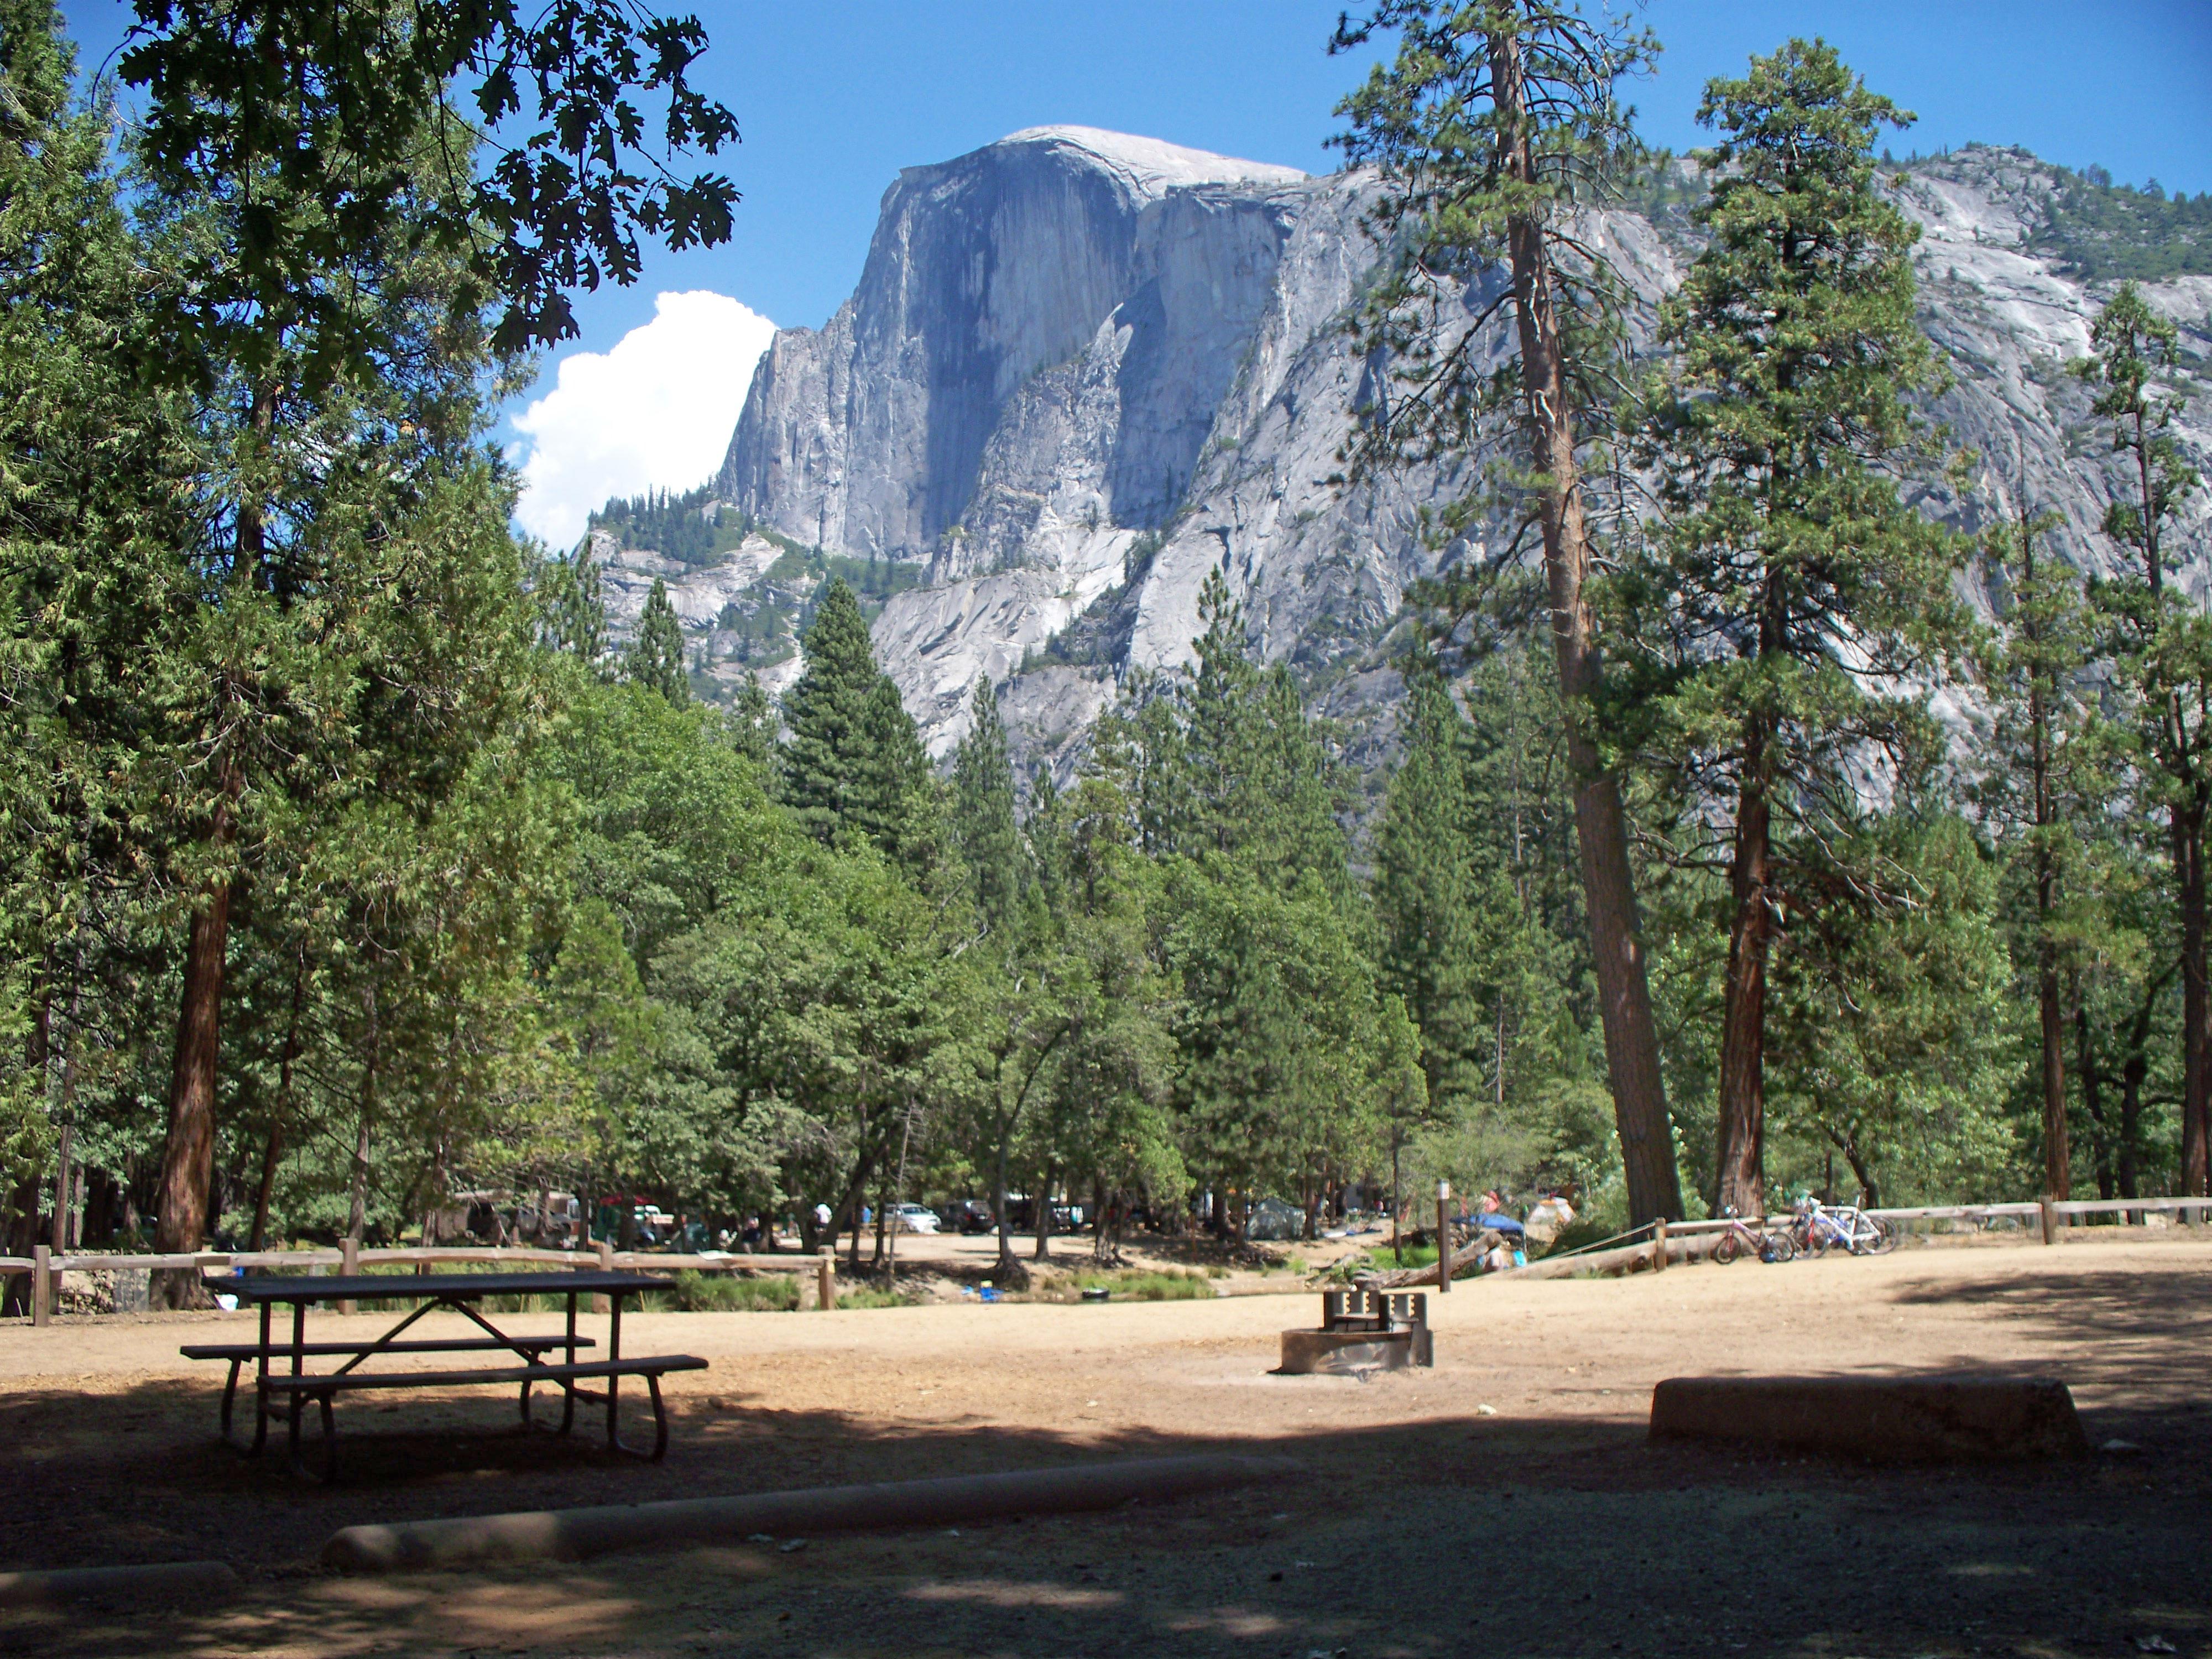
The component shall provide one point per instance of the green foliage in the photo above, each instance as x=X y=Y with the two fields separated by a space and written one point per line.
x=854 y=767
x=698 y=1292
x=286 y=102
x=1774 y=636
x=2101 y=231
x=999 y=870
x=655 y=657
x=572 y=612
x=1166 y=1285
x=2161 y=644
x=677 y=527
x=1466 y=173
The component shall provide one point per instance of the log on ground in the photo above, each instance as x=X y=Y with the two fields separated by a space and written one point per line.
x=1881 y=1419
x=573 y=1534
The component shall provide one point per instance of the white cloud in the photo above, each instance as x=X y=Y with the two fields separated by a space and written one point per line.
x=655 y=412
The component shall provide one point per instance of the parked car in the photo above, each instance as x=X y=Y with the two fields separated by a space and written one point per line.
x=969 y=1215
x=916 y=1219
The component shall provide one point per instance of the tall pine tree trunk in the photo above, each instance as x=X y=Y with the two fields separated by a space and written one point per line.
x=1632 y=1036
x=357 y=1207
x=2057 y=1172
x=275 y=1148
x=2092 y=1091
x=1742 y=1185
x=188 y=1151
x=2196 y=1015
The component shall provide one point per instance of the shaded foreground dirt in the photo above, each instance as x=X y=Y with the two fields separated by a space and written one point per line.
x=1423 y=1524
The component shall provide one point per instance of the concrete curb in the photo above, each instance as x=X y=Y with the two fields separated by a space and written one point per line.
x=573 y=1534
x=1880 y=1418
x=37 y=1589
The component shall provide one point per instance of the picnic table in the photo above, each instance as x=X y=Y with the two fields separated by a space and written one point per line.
x=284 y=1391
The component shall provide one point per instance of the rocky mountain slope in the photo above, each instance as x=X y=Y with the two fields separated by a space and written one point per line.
x=1081 y=370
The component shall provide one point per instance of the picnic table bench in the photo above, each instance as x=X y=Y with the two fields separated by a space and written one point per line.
x=284 y=1394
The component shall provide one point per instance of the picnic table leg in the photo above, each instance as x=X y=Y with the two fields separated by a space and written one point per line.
x=260 y=1377
x=569 y=1384
x=614 y=1382
x=299 y=1366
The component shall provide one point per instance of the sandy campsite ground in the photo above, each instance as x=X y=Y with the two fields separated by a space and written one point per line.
x=1504 y=1503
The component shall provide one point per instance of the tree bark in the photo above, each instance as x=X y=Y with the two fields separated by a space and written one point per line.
x=1043 y=1216
x=2057 y=1171
x=275 y=1149
x=61 y=1241
x=2093 y=1093
x=357 y=1209
x=1632 y=1036
x=1742 y=1185
x=2195 y=1015
x=188 y=1153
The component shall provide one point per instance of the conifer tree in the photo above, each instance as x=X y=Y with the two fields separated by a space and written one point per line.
x=1427 y=892
x=655 y=657
x=999 y=873
x=574 y=613
x=2163 y=642
x=2046 y=787
x=1495 y=126
x=752 y=722
x=1778 y=628
x=855 y=761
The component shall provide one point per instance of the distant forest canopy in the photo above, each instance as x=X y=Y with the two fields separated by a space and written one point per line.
x=678 y=527
x=2105 y=232
x=761 y=628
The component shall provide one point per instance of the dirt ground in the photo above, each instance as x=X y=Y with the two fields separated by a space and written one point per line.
x=1506 y=1502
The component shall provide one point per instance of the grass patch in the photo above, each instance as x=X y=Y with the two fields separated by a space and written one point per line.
x=1383 y=1260
x=1137 y=1284
x=698 y=1292
x=868 y=1297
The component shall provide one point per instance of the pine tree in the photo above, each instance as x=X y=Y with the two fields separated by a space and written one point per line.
x=1780 y=625
x=855 y=761
x=1428 y=894
x=2046 y=789
x=573 y=611
x=999 y=872
x=752 y=722
x=1495 y=128
x=2163 y=642
x=655 y=657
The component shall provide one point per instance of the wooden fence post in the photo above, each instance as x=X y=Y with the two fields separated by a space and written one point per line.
x=606 y=1249
x=825 y=1269
x=1443 y=1236
x=42 y=1287
x=1659 y=1244
x=348 y=1265
x=2050 y=1210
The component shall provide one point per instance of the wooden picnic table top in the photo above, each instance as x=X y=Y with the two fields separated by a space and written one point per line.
x=452 y=1287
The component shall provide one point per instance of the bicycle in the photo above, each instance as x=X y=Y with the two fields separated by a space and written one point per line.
x=1820 y=1228
x=1736 y=1239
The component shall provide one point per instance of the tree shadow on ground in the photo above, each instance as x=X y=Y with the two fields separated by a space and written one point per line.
x=1440 y=1537
x=2132 y=1342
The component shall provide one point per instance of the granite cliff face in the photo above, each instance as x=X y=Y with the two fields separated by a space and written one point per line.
x=1082 y=369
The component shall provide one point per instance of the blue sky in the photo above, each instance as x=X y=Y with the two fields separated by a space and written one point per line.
x=836 y=96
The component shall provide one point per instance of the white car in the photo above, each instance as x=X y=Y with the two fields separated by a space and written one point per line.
x=914 y=1218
